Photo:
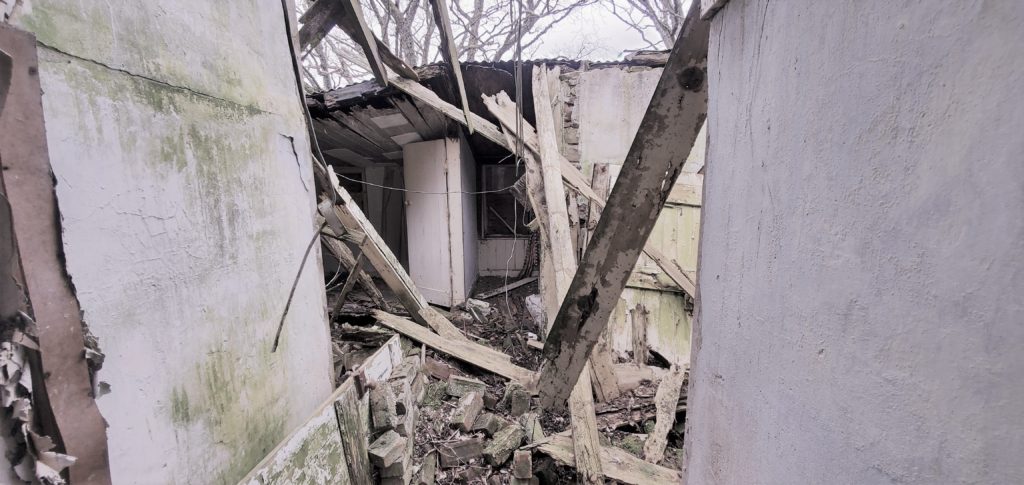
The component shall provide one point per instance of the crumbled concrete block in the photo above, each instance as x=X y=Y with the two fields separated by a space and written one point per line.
x=517 y=399
x=530 y=423
x=459 y=386
x=471 y=474
x=503 y=444
x=466 y=411
x=437 y=369
x=460 y=452
x=428 y=470
x=383 y=415
x=489 y=423
x=400 y=472
x=525 y=481
x=387 y=449
x=522 y=464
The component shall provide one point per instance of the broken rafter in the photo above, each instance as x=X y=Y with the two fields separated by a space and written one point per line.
x=451 y=54
x=663 y=141
x=345 y=257
x=509 y=287
x=665 y=400
x=324 y=15
x=618 y=464
x=547 y=196
x=346 y=215
x=350 y=282
x=464 y=350
x=570 y=173
x=365 y=38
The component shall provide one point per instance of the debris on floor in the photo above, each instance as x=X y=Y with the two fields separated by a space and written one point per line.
x=447 y=415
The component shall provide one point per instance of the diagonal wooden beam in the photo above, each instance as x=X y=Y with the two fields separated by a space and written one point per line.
x=547 y=194
x=655 y=159
x=324 y=15
x=364 y=37
x=451 y=54
x=571 y=175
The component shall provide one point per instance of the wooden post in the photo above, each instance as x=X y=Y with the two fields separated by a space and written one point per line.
x=451 y=54
x=350 y=282
x=668 y=131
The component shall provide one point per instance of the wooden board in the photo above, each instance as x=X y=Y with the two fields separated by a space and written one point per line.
x=346 y=215
x=618 y=464
x=669 y=129
x=451 y=54
x=466 y=351
x=326 y=448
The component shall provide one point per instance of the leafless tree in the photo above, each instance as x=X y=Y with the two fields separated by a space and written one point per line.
x=482 y=30
x=657 y=21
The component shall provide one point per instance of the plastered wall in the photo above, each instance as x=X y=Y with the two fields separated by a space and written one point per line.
x=862 y=250
x=185 y=189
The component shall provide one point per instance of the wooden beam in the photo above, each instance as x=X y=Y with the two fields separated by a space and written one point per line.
x=365 y=37
x=345 y=257
x=346 y=214
x=570 y=173
x=324 y=15
x=349 y=409
x=663 y=141
x=350 y=283
x=464 y=350
x=451 y=54
x=618 y=464
x=666 y=399
x=509 y=287
x=575 y=179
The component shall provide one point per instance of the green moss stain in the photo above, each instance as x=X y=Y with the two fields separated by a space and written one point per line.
x=238 y=399
x=633 y=445
x=180 y=414
x=434 y=395
x=215 y=66
x=319 y=457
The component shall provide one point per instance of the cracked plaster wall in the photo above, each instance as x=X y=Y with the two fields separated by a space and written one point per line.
x=862 y=250
x=185 y=186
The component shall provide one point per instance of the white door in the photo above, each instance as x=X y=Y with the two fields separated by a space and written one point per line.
x=427 y=219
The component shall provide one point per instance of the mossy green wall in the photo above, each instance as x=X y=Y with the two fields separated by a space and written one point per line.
x=185 y=187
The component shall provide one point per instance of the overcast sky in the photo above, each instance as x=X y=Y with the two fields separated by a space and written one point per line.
x=594 y=26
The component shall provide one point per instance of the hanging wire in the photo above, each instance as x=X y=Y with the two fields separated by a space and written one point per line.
x=519 y=147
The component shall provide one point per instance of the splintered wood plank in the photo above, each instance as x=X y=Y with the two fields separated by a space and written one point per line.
x=324 y=15
x=547 y=196
x=347 y=259
x=451 y=54
x=346 y=214
x=509 y=287
x=638 y=317
x=332 y=443
x=575 y=179
x=363 y=36
x=464 y=350
x=663 y=141
x=350 y=282
x=666 y=400
x=618 y=464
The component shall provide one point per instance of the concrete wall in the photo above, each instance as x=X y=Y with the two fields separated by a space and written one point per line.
x=185 y=188
x=862 y=254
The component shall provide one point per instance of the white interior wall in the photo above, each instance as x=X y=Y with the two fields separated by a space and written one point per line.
x=470 y=216
x=862 y=253
x=186 y=195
